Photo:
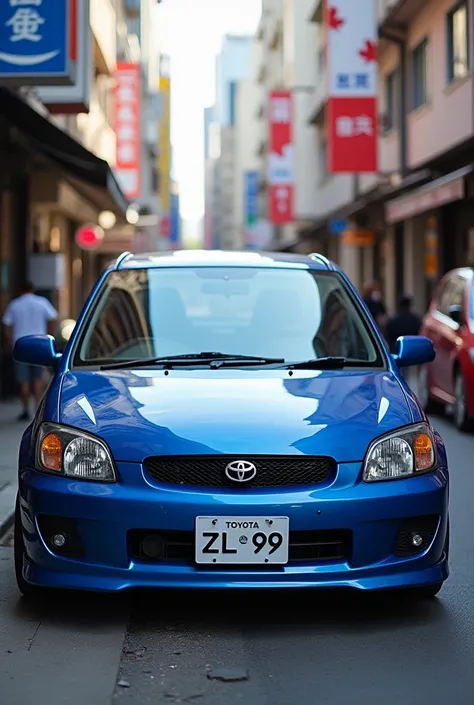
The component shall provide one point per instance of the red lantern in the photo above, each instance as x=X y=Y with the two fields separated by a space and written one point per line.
x=89 y=237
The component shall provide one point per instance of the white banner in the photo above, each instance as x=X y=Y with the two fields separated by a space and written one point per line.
x=352 y=48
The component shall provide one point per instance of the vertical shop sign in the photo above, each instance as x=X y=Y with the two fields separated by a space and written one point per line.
x=431 y=249
x=128 y=128
x=353 y=85
x=164 y=155
x=175 y=235
x=280 y=158
x=250 y=205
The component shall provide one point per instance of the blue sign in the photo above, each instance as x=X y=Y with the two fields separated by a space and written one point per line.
x=337 y=227
x=175 y=234
x=251 y=197
x=34 y=42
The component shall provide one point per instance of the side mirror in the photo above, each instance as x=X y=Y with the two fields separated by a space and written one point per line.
x=456 y=313
x=414 y=350
x=37 y=350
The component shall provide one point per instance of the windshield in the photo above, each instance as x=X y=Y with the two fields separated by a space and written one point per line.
x=294 y=314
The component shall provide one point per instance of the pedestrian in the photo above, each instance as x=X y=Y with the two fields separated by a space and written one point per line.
x=373 y=299
x=29 y=314
x=403 y=322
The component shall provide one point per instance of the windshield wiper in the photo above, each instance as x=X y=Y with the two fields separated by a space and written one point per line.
x=321 y=363
x=327 y=363
x=213 y=359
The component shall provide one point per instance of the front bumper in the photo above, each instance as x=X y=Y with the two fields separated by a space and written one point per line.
x=105 y=514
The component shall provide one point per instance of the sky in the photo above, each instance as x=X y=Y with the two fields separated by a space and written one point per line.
x=191 y=31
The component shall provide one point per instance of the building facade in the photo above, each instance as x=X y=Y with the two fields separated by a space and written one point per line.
x=419 y=205
x=233 y=64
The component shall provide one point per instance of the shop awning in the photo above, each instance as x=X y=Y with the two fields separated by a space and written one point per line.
x=379 y=194
x=440 y=192
x=90 y=174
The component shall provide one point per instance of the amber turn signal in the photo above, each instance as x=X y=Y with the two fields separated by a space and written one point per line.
x=51 y=452
x=424 y=452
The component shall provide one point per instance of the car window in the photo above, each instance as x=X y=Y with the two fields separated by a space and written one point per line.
x=296 y=314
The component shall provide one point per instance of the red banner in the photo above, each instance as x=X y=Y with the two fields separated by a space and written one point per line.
x=352 y=124
x=128 y=129
x=280 y=158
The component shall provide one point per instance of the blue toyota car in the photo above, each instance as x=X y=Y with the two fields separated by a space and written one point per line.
x=229 y=420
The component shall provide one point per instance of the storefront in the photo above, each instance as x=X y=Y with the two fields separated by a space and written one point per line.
x=49 y=186
x=429 y=231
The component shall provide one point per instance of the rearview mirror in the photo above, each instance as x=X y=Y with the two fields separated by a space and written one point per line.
x=37 y=350
x=456 y=313
x=414 y=350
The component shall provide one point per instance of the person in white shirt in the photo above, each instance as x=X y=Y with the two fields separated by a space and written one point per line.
x=29 y=314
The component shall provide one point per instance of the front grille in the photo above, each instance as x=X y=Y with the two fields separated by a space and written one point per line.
x=305 y=546
x=209 y=470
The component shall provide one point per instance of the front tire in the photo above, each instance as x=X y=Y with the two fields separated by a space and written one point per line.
x=28 y=590
x=427 y=592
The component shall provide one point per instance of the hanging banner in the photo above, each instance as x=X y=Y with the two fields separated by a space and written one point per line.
x=280 y=158
x=353 y=86
x=164 y=148
x=37 y=42
x=128 y=128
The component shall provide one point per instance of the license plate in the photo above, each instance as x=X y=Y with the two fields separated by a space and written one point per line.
x=242 y=540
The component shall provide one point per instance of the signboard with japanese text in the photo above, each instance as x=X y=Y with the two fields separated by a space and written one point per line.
x=352 y=86
x=128 y=128
x=164 y=147
x=280 y=158
x=74 y=99
x=35 y=42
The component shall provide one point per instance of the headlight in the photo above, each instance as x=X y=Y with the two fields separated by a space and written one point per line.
x=73 y=453
x=407 y=452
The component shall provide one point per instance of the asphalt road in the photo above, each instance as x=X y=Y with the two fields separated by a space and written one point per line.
x=319 y=649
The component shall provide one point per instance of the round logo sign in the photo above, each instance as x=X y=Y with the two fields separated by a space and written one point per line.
x=89 y=237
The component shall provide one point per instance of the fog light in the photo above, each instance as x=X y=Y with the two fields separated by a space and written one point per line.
x=153 y=546
x=416 y=540
x=58 y=540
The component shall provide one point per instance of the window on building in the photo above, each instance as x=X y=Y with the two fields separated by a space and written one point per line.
x=392 y=100
x=458 y=42
x=419 y=74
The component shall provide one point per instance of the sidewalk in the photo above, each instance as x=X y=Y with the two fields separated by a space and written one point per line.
x=10 y=436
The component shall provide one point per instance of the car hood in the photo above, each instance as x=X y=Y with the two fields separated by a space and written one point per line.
x=141 y=413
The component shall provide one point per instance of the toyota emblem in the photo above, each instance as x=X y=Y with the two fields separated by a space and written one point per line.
x=240 y=471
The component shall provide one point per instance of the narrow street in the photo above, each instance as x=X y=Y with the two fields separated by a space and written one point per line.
x=224 y=649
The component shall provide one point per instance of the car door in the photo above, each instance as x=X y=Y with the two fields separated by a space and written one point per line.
x=448 y=338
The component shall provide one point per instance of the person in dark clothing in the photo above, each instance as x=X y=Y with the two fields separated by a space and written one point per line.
x=373 y=299
x=404 y=322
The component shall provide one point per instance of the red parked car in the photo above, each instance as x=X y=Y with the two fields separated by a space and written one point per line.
x=449 y=323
